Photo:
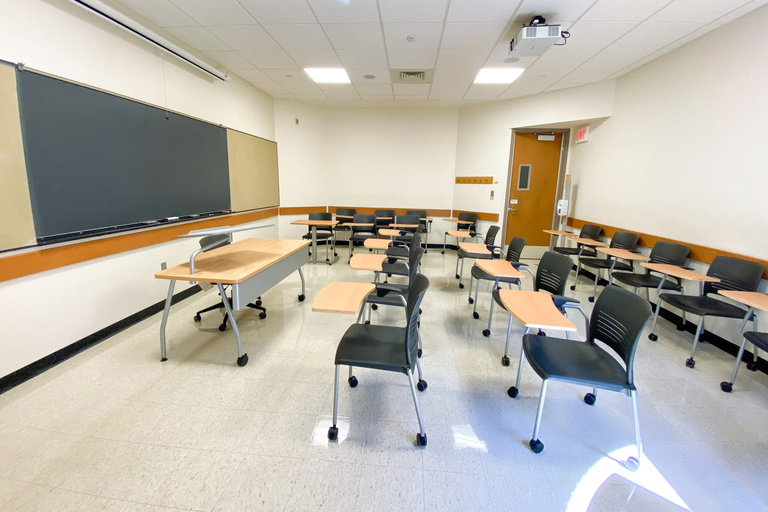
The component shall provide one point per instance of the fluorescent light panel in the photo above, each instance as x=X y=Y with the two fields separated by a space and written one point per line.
x=498 y=75
x=328 y=75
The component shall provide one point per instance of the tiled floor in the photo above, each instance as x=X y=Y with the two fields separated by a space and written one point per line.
x=115 y=429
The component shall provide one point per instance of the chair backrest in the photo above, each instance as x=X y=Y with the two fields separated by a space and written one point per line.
x=624 y=240
x=346 y=211
x=364 y=218
x=490 y=235
x=591 y=231
x=320 y=216
x=416 y=291
x=414 y=220
x=617 y=320
x=384 y=213
x=414 y=260
x=734 y=274
x=472 y=217
x=215 y=241
x=552 y=274
x=515 y=249
x=422 y=216
x=669 y=253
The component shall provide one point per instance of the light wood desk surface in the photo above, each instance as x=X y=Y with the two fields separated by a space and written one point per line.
x=622 y=253
x=413 y=226
x=236 y=262
x=345 y=298
x=367 y=262
x=459 y=234
x=559 y=232
x=389 y=232
x=308 y=222
x=682 y=273
x=359 y=224
x=535 y=310
x=383 y=218
x=457 y=221
x=587 y=241
x=499 y=268
x=752 y=299
x=474 y=248
x=376 y=243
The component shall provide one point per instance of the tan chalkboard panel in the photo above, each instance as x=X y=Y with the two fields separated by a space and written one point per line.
x=17 y=227
x=252 y=172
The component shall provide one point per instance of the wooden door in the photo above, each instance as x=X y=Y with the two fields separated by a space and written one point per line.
x=533 y=188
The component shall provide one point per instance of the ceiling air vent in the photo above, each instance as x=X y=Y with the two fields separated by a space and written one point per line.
x=411 y=76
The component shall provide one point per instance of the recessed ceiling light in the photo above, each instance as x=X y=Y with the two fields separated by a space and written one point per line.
x=498 y=75
x=328 y=75
x=369 y=77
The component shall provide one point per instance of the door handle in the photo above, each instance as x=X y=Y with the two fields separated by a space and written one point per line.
x=511 y=209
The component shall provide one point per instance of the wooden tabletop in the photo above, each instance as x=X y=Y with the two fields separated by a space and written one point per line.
x=414 y=226
x=457 y=221
x=752 y=299
x=367 y=262
x=359 y=224
x=383 y=218
x=535 y=309
x=307 y=222
x=499 y=268
x=558 y=232
x=622 y=253
x=389 y=232
x=344 y=216
x=376 y=243
x=460 y=234
x=345 y=298
x=587 y=241
x=235 y=263
x=682 y=273
x=474 y=248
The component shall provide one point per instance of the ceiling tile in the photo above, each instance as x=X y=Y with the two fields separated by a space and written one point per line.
x=299 y=37
x=355 y=36
x=363 y=58
x=454 y=76
x=338 y=89
x=597 y=34
x=697 y=11
x=334 y=11
x=413 y=59
x=454 y=90
x=482 y=10
x=311 y=96
x=655 y=55
x=412 y=96
x=410 y=89
x=220 y=12
x=693 y=35
x=615 y=58
x=271 y=88
x=554 y=11
x=199 y=39
x=427 y=35
x=563 y=85
x=461 y=59
x=561 y=59
x=624 y=10
x=269 y=12
x=161 y=12
x=487 y=89
x=301 y=88
x=377 y=96
x=253 y=75
x=466 y=36
x=288 y=76
x=315 y=58
x=245 y=37
x=230 y=60
x=408 y=11
x=270 y=59
x=653 y=36
x=381 y=76
x=374 y=89
x=741 y=11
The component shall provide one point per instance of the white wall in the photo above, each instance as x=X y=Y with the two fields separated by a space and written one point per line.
x=50 y=310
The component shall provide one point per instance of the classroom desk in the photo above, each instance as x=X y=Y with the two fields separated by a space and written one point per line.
x=313 y=224
x=498 y=269
x=559 y=233
x=583 y=242
x=250 y=267
x=533 y=310
x=616 y=254
x=377 y=244
x=404 y=226
x=392 y=233
x=753 y=300
x=344 y=298
x=370 y=262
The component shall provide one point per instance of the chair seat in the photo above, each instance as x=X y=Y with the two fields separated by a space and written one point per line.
x=320 y=236
x=558 y=300
x=574 y=251
x=758 y=339
x=475 y=255
x=703 y=305
x=479 y=273
x=579 y=362
x=604 y=263
x=374 y=346
x=359 y=237
x=389 y=299
x=644 y=281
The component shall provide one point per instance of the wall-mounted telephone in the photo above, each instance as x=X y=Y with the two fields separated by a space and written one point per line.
x=562 y=207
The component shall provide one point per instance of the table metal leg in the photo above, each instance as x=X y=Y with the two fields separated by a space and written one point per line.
x=314 y=244
x=242 y=359
x=301 y=275
x=168 y=300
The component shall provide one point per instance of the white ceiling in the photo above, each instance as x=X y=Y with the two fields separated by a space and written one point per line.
x=268 y=42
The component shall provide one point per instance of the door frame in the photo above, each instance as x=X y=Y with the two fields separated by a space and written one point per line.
x=560 y=171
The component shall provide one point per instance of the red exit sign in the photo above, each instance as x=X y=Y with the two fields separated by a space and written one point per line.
x=582 y=135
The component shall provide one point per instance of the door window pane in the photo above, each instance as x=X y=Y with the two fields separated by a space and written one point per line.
x=524 y=177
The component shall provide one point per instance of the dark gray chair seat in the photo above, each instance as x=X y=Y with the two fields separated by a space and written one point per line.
x=645 y=281
x=490 y=240
x=588 y=231
x=374 y=346
x=758 y=339
x=703 y=305
x=662 y=252
x=620 y=240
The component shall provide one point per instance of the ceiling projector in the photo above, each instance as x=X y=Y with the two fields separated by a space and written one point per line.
x=536 y=38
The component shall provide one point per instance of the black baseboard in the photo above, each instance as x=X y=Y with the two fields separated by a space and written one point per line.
x=345 y=243
x=690 y=327
x=31 y=370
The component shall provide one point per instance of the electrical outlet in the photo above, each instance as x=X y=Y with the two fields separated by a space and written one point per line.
x=163 y=266
x=492 y=195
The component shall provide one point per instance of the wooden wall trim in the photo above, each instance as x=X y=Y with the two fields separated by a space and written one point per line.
x=302 y=210
x=485 y=216
x=40 y=260
x=698 y=252
x=398 y=211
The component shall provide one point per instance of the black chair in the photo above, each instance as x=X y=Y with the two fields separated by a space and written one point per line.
x=422 y=214
x=495 y=252
x=662 y=252
x=618 y=319
x=360 y=233
x=588 y=231
x=323 y=234
x=759 y=340
x=343 y=212
x=384 y=218
x=383 y=347
x=472 y=227
x=620 y=240
x=401 y=248
x=734 y=274
x=407 y=233
x=213 y=242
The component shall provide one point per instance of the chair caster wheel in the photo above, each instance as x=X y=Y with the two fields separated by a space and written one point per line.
x=421 y=439
x=726 y=386
x=752 y=366
x=242 y=360
x=442 y=252
x=196 y=318
x=257 y=303
x=223 y=327
x=652 y=337
x=505 y=361
x=421 y=385
x=486 y=332
x=590 y=399
x=374 y=307
x=541 y=333
x=352 y=381
x=418 y=353
x=475 y=315
x=262 y=315
x=461 y=285
x=302 y=297
x=367 y=322
x=632 y=464
x=419 y=310
x=573 y=287
x=457 y=276
x=690 y=363
x=335 y=254
x=471 y=300
x=680 y=327
x=591 y=299
x=512 y=392
x=536 y=445
x=333 y=433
